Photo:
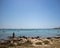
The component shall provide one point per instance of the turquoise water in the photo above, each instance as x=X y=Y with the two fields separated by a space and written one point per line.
x=4 y=33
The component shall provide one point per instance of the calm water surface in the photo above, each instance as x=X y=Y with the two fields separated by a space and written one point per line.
x=4 y=33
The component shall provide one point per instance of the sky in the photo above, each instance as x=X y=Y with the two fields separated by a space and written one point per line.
x=29 y=14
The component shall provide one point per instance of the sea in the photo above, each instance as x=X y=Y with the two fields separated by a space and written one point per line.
x=4 y=33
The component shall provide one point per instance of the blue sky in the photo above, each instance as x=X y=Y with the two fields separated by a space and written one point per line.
x=29 y=13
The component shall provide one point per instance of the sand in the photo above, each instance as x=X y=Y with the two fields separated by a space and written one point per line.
x=16 y=42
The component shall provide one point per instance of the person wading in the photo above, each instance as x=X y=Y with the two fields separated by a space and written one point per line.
x=13 y=35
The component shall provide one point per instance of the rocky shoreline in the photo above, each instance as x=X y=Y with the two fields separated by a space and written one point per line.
x=30 y=42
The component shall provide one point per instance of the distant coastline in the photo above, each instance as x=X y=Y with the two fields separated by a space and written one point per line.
x=57 y=28
x=25 y=28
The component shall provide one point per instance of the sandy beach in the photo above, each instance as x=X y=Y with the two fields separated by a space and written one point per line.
x=30 y=42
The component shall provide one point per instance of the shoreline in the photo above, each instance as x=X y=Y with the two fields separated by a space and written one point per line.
x=21 y=41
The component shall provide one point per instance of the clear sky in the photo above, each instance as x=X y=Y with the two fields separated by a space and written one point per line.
x=29 y=13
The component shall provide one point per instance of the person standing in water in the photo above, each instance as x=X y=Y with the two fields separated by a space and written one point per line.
x=13 y=35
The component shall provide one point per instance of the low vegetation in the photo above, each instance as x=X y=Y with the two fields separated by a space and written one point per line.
x=38 y=43
x=46 y=42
